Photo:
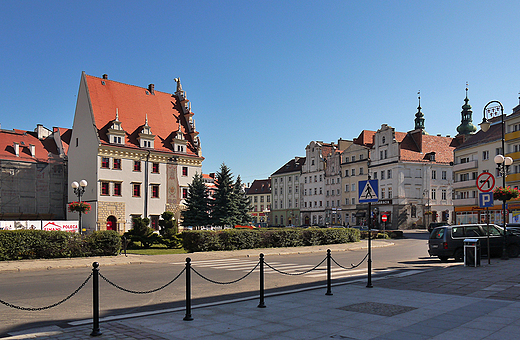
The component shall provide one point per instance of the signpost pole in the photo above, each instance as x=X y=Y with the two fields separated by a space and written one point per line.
x=369 y=283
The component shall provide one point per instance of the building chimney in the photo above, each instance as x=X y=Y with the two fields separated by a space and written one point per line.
x=32 y=148
x=105 y=76
x=151 y=88
x=16 y=147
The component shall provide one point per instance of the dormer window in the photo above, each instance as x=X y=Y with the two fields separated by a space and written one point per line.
x=116 y=134
x=146 y=138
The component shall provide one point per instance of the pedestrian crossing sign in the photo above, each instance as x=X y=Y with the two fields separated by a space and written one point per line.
x=368 y=191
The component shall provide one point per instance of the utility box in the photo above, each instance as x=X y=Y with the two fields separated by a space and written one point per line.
x=471 y=252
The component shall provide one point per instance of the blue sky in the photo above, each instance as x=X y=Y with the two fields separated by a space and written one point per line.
x=265 y=77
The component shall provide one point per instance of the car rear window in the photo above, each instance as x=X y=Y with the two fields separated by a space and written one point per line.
x=437 y=233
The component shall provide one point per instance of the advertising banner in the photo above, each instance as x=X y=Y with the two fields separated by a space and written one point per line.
x=70 y=226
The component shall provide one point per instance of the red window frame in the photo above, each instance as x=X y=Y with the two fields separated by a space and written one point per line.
x=117 y=189
x=105 y=162
x=184 y=193
x=185 y=171
x=155 y=168
x=136 y=190
x=105 y=188
x=155 y=190
x=137 y=166
x=117 y=163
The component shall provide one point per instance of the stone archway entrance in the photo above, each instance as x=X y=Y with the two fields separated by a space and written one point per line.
x=111 y=223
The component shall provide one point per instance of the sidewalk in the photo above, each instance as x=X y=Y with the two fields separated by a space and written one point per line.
x=454 y=302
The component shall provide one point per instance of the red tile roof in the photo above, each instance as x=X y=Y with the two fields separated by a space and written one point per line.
x=415 y=147
x=24 y=139
x=134 y=104
x=366 y=138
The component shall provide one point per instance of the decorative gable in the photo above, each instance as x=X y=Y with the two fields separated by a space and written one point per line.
x=146 y=138
x=116 y=134
x=179 y=143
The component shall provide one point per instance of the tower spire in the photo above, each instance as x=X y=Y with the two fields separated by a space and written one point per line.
x=466 y=126
x=419 y=116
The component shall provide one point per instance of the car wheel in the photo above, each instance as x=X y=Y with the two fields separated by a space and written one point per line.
x=443 y=258
x=513 y=250
x=459 y=255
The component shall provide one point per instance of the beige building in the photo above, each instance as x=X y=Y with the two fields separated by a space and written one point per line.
x=286 y=193
x=475 y=156
x=354 y=168
x=259 y=195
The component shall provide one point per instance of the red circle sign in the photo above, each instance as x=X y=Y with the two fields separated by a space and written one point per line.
x=485 y=182
x=384 y=218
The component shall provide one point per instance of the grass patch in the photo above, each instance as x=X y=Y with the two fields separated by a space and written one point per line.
x=156 y=251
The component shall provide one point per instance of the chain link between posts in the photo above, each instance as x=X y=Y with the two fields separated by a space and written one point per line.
x=50 y=306
x=225 y=283
x=351 y=265
x=141 y=292
x=295 y=274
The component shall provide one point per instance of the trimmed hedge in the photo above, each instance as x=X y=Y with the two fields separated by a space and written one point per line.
x=232 y=239
x=42 y=244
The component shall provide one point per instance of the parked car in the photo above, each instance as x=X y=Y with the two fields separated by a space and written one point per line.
x=434 y=225
x=448 y=241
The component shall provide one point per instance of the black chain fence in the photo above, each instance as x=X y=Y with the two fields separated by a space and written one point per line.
x=187 y=271
x=32 y=309
x=142 y=292
x=228 y=282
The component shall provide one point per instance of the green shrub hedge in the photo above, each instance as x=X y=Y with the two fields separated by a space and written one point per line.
x=38 y=244
x=232 y=239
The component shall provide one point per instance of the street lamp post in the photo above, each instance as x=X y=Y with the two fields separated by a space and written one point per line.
x=501 y=161
x=79 y=190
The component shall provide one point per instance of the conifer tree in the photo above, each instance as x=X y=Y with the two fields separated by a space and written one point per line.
x=224 y=206
x=243 y=203
x=197 y=204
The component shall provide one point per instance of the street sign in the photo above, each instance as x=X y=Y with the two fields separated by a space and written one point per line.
x=368 y=191
x=384 y=218
x=485 y=182
x=485 y=200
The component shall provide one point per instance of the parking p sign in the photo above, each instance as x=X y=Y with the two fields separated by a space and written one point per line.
x=485 y=199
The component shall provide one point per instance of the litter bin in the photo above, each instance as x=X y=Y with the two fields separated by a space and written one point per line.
x=471 y=252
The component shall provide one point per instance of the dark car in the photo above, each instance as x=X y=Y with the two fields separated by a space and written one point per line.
x=434 y=225
x=448 y=241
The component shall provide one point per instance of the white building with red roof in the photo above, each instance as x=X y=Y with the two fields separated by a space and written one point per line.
x=33 y=174
x=136 y=147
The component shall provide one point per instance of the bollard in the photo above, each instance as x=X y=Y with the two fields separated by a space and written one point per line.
x=95 y=295
x=261 y=304
x=329 y=284
x=188 y=316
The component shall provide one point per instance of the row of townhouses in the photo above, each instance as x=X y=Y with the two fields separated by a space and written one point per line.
x=422 y=178
x=135 y=148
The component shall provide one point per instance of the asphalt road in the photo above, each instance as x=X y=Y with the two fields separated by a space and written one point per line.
x=42 y=287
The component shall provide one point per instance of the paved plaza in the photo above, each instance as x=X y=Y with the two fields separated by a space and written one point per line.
x=452 y=302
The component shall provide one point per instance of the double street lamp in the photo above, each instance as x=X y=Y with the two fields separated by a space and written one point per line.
x=79 y=190
x=503 y=163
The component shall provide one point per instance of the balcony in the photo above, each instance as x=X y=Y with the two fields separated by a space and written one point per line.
x=464 y=184
x=514 y=155
x=465 y=201
x=465 y=166
x=512 y=135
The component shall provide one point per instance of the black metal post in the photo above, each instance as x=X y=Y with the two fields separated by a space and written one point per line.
x=95 y=299
x=369 y=282
x=488 y=250
x=262 y=303
x=329 y=283
x=188 y=316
